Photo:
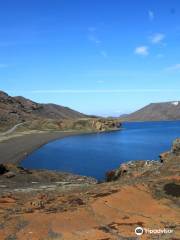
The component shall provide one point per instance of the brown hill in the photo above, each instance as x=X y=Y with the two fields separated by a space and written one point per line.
x=14 y=110
x=156 y=112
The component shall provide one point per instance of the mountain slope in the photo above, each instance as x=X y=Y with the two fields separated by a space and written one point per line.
x=49 y=110
x=156 y=112
x=18 y=109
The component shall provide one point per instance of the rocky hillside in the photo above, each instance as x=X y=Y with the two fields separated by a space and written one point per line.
x=14 y=110
x=156 y=112
x=83 y=124
x=35 y=116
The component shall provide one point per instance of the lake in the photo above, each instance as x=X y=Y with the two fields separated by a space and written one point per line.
x=95 y=154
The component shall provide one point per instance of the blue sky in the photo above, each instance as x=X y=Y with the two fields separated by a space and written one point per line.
x=105 y=57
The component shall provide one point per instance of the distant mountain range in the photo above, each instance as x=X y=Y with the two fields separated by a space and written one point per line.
x=155 y=112
x=28 y=115
x=14 y=110
x=18 y=109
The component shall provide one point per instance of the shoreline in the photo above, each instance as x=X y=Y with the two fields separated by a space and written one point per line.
x=15 y=149
x=36 y=203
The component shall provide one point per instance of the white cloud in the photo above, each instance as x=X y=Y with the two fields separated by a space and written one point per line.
x=104 y=54
x=175 y=67
x=142 y=50
x=151 y=15
x=157 y=38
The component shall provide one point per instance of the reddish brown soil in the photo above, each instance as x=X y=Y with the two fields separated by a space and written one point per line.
x=107 y=211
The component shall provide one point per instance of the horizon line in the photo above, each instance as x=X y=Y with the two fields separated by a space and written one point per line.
x=95 y=90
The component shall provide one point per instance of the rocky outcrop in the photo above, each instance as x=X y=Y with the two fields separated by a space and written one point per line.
x=3 y=169
x=176 y=147
x=175 y=152
x=83 y=124
x=133 y=169
x=12 y=175
x=144 y=168
x=105 y=124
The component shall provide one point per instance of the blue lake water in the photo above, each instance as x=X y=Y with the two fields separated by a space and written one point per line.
x=95 y=154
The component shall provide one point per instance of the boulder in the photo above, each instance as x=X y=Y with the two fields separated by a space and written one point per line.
x=176 y=147
x=3 y=169
x=9 y=174
x=110 y=175
x=115 y=174
x=104 y=124
x=164 y=157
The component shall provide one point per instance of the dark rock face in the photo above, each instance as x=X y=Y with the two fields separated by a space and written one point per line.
x=3 y=169
x=115 y=174
x=110 y=176
x=172 y=189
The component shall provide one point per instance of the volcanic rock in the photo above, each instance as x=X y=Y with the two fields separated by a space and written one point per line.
x=3 y=169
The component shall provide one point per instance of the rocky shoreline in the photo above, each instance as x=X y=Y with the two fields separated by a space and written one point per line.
x=40 y=205
x=28 y=138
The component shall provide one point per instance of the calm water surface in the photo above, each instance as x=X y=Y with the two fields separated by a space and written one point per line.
x=95 y=154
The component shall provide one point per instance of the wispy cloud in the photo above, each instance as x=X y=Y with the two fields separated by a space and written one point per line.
x=142 y=50
x=104 y=54
x=175 y=67
x=151 y=15
x=157 y=38
x=78 y=91
x=3 y=65
x=92 y=35
x=94 y=38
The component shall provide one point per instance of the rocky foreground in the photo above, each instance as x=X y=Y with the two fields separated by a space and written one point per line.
x=38 y=205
